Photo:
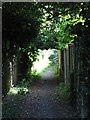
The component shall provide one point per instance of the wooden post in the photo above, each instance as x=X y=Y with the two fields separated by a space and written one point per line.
x=11 y=73
x=62 y=65
x=65 y=77
x=14 y=70
x=59 y=61
x=67 y=65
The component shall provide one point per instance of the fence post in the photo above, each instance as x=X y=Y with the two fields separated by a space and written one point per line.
x=67 y=65
x=65 y=76
x=14 y=70
x=59 y=60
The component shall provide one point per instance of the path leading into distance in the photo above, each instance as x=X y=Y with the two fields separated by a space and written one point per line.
x=42 y=101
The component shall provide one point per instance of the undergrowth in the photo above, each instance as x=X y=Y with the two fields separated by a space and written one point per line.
x=20 y=88
x=63 y=91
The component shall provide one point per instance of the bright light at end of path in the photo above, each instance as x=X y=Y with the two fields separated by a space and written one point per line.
x=43 y=60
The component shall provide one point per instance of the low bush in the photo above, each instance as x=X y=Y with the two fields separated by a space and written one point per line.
x=63 y=91
x=20 y=88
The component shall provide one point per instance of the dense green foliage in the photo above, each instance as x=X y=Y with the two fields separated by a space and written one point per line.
x=21 y=23
x=58 y=20
x=62 y=91
x=28 y=27
x=20 y=27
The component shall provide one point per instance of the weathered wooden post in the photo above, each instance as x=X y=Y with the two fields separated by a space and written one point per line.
x=62 y=65
x=65 y=69
x=71 y=73
x=67 y=65
x=59 y=61
x=11 y=73
x=14 y=70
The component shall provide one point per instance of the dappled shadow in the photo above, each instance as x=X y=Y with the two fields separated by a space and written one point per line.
x=41 y=102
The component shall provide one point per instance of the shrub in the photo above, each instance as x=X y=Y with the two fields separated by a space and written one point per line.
x=21 y=88
x=63 y=91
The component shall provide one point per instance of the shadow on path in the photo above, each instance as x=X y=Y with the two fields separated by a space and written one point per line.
x=42 y=101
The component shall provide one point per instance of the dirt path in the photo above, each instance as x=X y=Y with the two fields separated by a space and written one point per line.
x=48 y=75
x=42 y=101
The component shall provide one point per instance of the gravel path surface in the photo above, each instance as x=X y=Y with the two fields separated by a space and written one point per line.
x=41 y=102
